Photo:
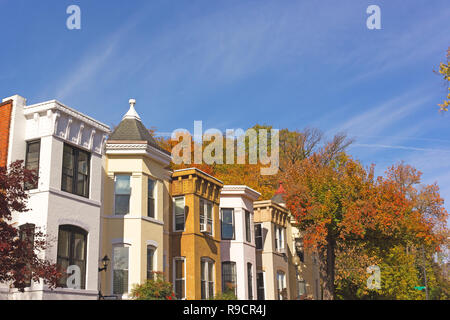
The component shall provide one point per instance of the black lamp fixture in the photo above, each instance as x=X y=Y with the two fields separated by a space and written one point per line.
x=105 y=262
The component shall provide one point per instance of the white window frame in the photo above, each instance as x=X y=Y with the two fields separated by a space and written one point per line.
x=205 y=215
x=125 y=245
x=232 y=223
x=154 y=258
x=208 y=261
x=114 y=191
x=283 y=283
x=174 y=213
x=174 y=273
x=155 y=196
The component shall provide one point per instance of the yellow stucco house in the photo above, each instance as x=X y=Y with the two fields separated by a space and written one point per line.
x=195 y=235
x=136 y=206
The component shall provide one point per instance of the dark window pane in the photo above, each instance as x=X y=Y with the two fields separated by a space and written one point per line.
x=250 y=281
x=32 y=161
x=151 y=198
x=120 y=282
x=260 y=285
x=122 y=205
x=258 y=236
x=150 y=253
x=71 y=251
x=75 y=171
x=227 y=224
x=248 y=236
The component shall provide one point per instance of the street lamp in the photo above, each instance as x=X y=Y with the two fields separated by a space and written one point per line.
x=105 y=262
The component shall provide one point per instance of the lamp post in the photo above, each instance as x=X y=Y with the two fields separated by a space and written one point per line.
x=105 y=262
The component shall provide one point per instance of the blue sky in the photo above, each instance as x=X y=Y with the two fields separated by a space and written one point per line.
x=232 y=64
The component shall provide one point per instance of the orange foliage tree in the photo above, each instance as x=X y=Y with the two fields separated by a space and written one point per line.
x=336 y=200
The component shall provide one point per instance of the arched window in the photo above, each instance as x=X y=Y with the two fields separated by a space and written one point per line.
x=72 y=242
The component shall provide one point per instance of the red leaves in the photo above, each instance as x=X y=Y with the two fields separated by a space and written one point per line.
x=344 y=198
x=19 y=261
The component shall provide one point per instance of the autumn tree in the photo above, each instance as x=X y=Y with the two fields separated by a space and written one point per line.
x=336 y=201
x=19 y=249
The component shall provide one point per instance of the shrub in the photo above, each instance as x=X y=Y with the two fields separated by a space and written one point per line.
x=153 y=289
x=227 y=295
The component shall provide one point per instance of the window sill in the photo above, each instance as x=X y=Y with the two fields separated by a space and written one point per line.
x=74 y=197
x=153 y=220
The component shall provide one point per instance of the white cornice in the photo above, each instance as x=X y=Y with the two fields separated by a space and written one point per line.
x=240 y=190
x=58 y=106
x=140 y=149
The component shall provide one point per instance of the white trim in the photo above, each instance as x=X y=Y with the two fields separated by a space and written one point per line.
x=184 y=213
x=44 y=106
x=155 y=196
x=155 y=256
x=118 y=241
x=125 y=245
x=152 y=243
x=208 y=260
x=232 y=222
x=243 y=190
x=114 y=195
x=139 y=148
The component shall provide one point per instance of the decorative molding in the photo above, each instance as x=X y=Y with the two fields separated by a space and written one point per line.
x=138 y=148
x=56 y=105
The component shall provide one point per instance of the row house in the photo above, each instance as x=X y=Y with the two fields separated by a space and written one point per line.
x=195 y=246
x=303 y=268
x=238 y=243
x=65 y=147
x=111 y=196
x=136 y=206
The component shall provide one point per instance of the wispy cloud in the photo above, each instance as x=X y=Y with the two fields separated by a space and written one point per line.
x=368 y=145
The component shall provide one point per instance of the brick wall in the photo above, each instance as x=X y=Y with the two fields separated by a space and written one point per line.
x=5 y=122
